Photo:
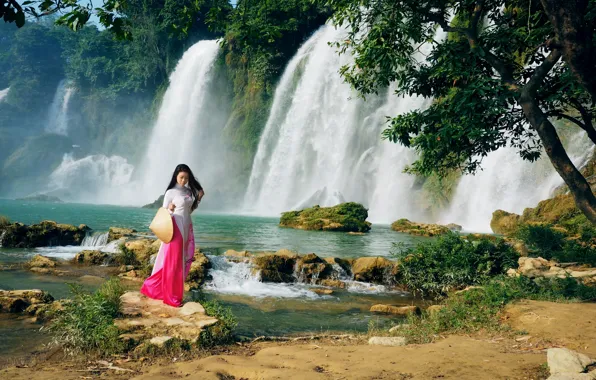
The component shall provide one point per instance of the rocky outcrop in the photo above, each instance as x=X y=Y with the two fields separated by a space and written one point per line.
x=311 y=267
x=564 y=363
x=419 y=229
x=44 y=234
x=16 y=301
x=142 y=249
x=505 y=223
x=144 y=319
x=89 y=257
x=346 y=217
x=41 y=198
x=276 y=267
x=374 y=269
x=156 y=204
x=198 y=271
x=43 y=265
x=116 y=233
x=537 y=267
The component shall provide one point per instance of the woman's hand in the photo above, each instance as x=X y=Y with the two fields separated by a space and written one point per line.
x=172 y=207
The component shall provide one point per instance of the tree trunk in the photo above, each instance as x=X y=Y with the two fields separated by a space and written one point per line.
x=574 y=35
x=579 y=187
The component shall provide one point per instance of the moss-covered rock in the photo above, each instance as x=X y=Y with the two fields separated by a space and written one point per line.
x=16 y=301
x=142 y=249
x=115 y=233
x=89 y=257
x=311 y=267
x=346 y=217
x=44 y=234
x=504 y=223
x=198 y=270
x=276 y=267
x=373 y=269
x=419 y=229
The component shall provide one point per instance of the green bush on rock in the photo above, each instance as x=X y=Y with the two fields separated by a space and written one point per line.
x=452 y=262
x=86 y=325
x=347 y=217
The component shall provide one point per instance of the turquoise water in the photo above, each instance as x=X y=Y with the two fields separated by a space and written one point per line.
x=263 y=311
x=216 y=233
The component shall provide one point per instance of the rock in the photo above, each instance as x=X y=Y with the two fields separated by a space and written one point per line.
x=142 y=249
x=395 y=310
x=159 y=341
x=90 y=257
x=395 y=341
x=468 y=288
x=418 y=229
x=573 y=376
x=519 y=246
x=116 y=233
x=356 y=233
x=373 y=269
x=198 y=270
x=16 y=301
x=344 y=217
x=397 y=328
x=345 y=264
x=311 y=267
x=322 y=292
x=512 y=273
x=532 y=266
x=332 y=283
x=39 y=261
x=505 y=223
x=563 y=360
x=45 y=311
x=44 y=234
x=233 y=253
x=454 y=227
x=276 y=267
x=434 y=309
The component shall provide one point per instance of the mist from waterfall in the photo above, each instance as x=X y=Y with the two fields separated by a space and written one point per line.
x=58 y=114
x=188 y=129
x=4 y=93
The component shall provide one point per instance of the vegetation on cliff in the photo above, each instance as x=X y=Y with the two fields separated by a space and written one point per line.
x=343 y=217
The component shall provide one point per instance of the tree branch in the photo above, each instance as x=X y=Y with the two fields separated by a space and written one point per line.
x=588 y=128
x=583 y=111
x=542 y=71
x=476 y=17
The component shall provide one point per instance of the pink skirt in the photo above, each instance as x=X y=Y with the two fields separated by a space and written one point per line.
x=171 y=268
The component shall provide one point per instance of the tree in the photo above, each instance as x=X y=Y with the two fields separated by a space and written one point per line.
x=496 y=80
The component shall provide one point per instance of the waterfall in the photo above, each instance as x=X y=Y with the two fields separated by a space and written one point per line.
x=92 y=179
x=95 y=240
x=58 y=115
x=4 y=93
x=186 y=131
x=322 y=144
x=510 y=183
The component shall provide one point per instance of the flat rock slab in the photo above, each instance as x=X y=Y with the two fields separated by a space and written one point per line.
x=154 y=319
x=387 y=341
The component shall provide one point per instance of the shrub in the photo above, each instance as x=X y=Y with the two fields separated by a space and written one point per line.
x=452 y=262
x=4 y=221
x=126 y=256
x=86 y=325
x=221 y=332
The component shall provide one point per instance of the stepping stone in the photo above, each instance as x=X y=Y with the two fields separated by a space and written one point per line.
x=191 y=308
x=387 y=341
x=159 y=341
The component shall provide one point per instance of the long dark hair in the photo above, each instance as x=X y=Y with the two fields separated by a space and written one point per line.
x=193 y=183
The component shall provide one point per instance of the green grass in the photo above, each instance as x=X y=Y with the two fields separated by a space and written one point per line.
x=126 y=256
x=450 y=262
x=222 y=332
x=480 y=308
x=4 y=221
x=86 y=325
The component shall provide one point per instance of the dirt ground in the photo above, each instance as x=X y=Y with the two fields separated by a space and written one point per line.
x=513 y=356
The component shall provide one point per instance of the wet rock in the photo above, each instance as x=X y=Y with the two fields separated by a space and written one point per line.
x=44 y=234
x=418 y=229
x=311 y=267
x=395 y=310
x=16 y=301
x=116 y=233
x=276 y=267
x=142 y=249
x=198 y=271
x=332 y=283
x=563 y=360
x=88 y=257
x=39 y=261
x=322 y=292
x=45 y=311
x=237 y=256
x=345 y=264
x=377 y=270
x=454 y=227
x=395 y=341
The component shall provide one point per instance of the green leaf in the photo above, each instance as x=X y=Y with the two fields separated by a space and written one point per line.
x=20 y=19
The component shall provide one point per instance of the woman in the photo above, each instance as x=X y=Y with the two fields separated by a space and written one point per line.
x=173 y=261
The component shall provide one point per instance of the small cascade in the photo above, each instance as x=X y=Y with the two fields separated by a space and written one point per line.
x=95 y=240
x=340 y=273
x=4 y=93
x=58 y=116
x=112 y=247
x=241 y=279
x=2 y=237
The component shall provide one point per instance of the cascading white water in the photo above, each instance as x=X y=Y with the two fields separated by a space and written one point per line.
x=95 y=240
x=4 y=93
x=185 y=131
x=58 y=115
x=93 y=179
x=322 y=144
x=509 y=183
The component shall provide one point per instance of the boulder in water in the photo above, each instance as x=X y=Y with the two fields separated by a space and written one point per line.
x=418 y=229
x=16 y=301
x=143 y=249
x=311 y=267
x=198 y=270
x=395 y=310
x=373 y=269
x=116 y=233
x=89 y=257
x=44 y=234
x=276 y=267
x=344 y=217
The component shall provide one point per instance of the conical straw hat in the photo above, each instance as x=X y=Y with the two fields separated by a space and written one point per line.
x=162 y=225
